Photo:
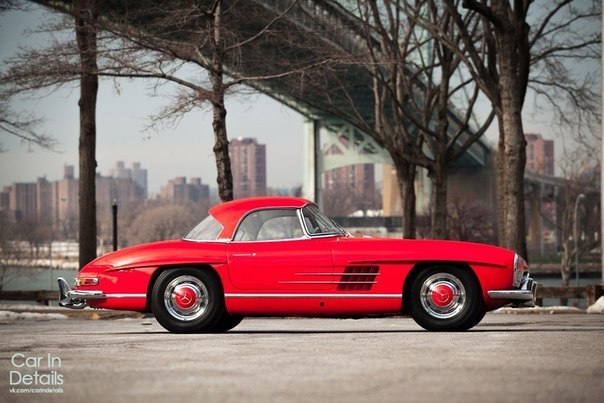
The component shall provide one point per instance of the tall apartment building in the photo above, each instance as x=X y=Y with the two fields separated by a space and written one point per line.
x=178 y=191
x=539 y=155
x=123 y=191
x=137 y=174
x=248 y=165
x=22 y=200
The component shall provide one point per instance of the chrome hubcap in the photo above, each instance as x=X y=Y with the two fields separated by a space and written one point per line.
x=443 y=295
x=186 y=298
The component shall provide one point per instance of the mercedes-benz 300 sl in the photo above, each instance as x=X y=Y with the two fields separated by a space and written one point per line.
x=280 y=256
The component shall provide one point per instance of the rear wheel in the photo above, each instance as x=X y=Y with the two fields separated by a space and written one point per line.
x=446 y=299
x=187 y=300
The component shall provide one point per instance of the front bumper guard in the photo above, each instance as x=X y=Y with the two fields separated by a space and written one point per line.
x=523 y=297
x=75 y=299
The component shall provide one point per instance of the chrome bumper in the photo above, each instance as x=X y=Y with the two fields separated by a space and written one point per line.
x=524 y=296
x=75 y=299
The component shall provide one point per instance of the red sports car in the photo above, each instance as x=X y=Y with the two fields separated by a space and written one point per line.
x=281 y=256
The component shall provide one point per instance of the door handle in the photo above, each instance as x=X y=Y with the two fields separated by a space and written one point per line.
x=250 y=254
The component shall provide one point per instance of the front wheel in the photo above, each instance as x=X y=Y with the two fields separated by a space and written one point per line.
x=446 y=299
x=187 y=300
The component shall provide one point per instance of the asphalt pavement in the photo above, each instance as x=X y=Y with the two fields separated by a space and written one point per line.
x=506 y=358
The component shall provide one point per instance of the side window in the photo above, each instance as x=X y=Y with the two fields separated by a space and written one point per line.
x=269 y=225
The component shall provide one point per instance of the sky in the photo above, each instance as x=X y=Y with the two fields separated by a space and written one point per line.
x=185 y=150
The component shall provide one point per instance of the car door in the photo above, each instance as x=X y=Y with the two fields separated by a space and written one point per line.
x=270 y=253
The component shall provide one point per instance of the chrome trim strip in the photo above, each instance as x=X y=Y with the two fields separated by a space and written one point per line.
x=86 y=294
x=355 y=282
x=80 y=294
x=253 y=295
x=327 y=282
x=306 y=282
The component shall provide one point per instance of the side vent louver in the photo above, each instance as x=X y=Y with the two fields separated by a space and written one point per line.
x=358 y=278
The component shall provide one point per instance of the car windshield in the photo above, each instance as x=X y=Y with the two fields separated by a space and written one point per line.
x=207 y=230
x=319 y=224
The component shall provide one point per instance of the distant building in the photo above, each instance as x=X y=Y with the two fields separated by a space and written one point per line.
x=178 y=191
x=123 y=191
x=248 y=165
x=539 y=155
x=58 y=202
x=22 y=200
x=136 y=174
x=360 y=178
x=351 y=187
x=65 y=204
x=5 y=199
x=44 y=191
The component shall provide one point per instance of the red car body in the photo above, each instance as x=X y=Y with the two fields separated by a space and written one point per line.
x=280 y=256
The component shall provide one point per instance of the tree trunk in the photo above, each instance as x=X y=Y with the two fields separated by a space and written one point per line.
x=499 y=191
x=510 y=175
x=86 y=14
x=221 y=143
x=438 y=220
x=221 y=152
x=512 y=149
x=405 y=174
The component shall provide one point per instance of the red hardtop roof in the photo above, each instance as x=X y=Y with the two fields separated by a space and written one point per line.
x=228 y=214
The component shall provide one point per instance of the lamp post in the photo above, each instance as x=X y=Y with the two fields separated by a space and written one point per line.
x=114 y=215
x=580 y=197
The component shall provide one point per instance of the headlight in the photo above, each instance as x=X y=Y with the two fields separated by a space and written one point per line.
x=520 y=267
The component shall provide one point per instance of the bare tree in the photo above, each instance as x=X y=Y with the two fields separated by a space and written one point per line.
x=160 y=223
x=33 y=70
x=512 y=46
x=469 y=221
x=86 y=17
x=11 y=252
x=23 y=128
x=162 y=41
x=36 y=232
x=16 y=124
x=578 y=206
x=213 y=35
x=422 y=96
